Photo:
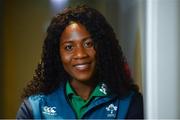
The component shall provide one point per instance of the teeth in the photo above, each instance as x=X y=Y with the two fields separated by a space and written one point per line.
x=81 y=66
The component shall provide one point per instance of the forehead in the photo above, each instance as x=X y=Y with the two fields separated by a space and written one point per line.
x=74 y=31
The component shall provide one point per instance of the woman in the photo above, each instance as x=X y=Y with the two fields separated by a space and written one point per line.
x=83 y=73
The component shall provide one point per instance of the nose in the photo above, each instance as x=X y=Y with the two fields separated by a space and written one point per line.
x=80 y=53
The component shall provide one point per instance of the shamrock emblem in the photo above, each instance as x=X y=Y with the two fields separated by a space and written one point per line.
x=111 y=108
x=103 y=89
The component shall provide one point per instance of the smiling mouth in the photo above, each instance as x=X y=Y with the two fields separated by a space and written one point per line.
x=81 y=67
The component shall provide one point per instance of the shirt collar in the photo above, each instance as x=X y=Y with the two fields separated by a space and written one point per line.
x=69 y=89
x=100 y=90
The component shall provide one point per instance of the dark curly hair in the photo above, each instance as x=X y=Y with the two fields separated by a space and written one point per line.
x=111 y=64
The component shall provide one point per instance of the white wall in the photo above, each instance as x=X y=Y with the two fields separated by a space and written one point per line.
x=161 y=46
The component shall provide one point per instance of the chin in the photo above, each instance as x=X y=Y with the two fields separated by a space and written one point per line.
x=83 y=78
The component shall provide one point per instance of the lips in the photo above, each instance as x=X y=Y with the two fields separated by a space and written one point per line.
x=82 y=66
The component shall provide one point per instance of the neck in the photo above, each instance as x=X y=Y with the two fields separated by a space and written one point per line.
x=83 y=89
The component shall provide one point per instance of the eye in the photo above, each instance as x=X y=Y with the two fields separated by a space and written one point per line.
x=88 y=44
x=68 y=47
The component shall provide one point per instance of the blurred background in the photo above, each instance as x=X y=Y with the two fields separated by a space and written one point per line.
x=148 y=31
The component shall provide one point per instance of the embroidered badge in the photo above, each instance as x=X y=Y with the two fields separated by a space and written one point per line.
x=49 y=110
x=111 y=108
x=103 y=89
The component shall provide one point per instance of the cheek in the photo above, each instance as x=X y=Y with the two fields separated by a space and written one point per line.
x=66 y=62
x=92 y=53
x=65 y=58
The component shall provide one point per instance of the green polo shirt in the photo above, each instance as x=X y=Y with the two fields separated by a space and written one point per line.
x=80 y=105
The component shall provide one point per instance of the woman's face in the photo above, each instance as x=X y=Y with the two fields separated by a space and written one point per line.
x=77 y=52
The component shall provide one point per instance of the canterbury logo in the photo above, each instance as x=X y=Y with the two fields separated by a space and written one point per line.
x=49 y=110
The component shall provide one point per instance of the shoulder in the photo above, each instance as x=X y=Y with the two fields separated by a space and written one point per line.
x=31 y=105
x=44 y=97
x=135 y=109
x=25 y=110
x=36 y=98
